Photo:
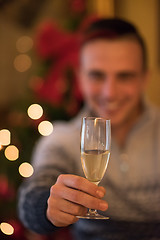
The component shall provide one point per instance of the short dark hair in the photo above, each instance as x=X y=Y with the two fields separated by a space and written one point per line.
x=114 y=28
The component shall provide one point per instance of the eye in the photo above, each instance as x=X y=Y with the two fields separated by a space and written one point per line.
x=96 y=76
x=126 y=76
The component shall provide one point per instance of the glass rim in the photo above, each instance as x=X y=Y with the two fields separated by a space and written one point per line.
x=98 y=118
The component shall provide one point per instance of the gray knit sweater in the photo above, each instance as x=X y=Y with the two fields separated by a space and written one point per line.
x=132 y=181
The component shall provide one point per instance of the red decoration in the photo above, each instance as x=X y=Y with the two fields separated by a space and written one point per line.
x=49 y=40
x=78 y=6
x=60 y=85
x=7 y=191
x=18 y=233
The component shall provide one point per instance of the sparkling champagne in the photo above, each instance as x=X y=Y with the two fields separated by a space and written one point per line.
x=94 y=163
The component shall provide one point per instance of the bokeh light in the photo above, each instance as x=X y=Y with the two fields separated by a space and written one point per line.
x=5 y=137
x=35 y=111
x=45 y=128
x=22 y=62
x=26 y=169
x=11 y=153
x=24 y=44
x=6 y=228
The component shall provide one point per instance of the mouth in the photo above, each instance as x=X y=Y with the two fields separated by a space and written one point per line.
x=110 y=108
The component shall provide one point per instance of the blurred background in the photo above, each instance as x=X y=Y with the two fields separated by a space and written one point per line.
x=38 y=58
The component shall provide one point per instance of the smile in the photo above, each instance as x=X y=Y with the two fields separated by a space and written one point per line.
x=110 y=107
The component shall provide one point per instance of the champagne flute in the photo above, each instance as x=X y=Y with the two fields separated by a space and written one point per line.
x=95 y=153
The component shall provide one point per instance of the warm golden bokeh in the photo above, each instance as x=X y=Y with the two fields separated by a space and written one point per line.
x=26 y=170
x=35 y=111
x=6 y=228
x=11 y=153
x=5 y=137
x=45 y=128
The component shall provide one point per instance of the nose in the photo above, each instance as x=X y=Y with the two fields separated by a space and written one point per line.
x=109 y=89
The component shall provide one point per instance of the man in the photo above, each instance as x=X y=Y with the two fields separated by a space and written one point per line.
x=113 y=76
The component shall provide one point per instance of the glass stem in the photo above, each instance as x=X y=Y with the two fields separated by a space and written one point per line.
x=92 y=212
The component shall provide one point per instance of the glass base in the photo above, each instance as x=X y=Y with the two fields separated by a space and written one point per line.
x=92 y=214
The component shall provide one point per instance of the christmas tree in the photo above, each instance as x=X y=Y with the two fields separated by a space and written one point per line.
x=53 y=94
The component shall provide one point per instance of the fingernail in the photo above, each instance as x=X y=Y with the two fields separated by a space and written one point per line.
x=100 y=193
x=103 y=206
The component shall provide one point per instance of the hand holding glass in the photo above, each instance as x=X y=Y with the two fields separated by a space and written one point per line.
x=95 y=152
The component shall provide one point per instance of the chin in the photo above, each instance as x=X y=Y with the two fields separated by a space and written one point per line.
x=116 y=120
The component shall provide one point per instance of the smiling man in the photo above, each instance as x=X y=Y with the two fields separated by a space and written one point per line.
x=113 y=75
x=113 y=78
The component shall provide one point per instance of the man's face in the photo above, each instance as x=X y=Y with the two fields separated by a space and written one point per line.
x=112 y=79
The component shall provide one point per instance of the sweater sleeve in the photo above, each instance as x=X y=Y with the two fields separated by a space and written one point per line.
x=53 y=155
x=32 y=207
x=34 y=193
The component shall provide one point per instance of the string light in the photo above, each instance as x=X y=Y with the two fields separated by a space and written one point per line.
x=5 y=137
x=26 y=169
x=6 y=228
x=24 y=44
x=11 y=153
x=35 y=111
x=22 y=62
x=45 y=128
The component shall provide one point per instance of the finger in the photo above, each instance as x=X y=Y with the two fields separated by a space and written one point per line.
x=101 y=189
x=83 y=199
x=70 y=207
x=62 y=219
x=82 y=184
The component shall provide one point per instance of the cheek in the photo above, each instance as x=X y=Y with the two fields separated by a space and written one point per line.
x=132 y=91
x=89 y=89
